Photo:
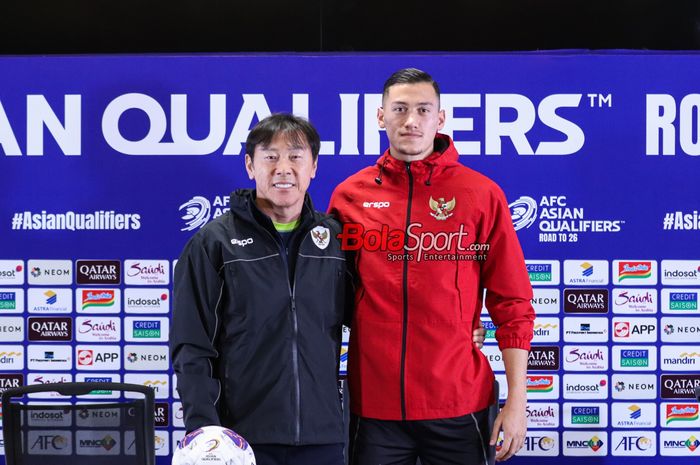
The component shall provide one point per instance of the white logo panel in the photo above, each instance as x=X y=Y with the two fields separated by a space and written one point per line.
x=97 y=300
x=541 y=444
x=680 y=329
x=546 y=330
x=679 y=415
x=680 y=443
x=586 y=272
x=11 y=272
x=98 y=329
x=585 y=329
x=49 y=300
x=145 y=329
x=49 y=357
x=634 y=358
x=494 y=356
x=633 y=443
x=635 y=301
x=97 y=357
x=11 y=329
x=50 y=272
x=157 y=381
x=11 y=300
x=146 y=300
x=634 y=386
x=680 y=301
x=146 y=358
x=49 y=442
x=542 y=415
x=585 y=415
x=11 y=357
x=99 y=378
x=633 y=415
x=543 y=272
x=546 y=301
x=585 y=358
x=680 y=358
x=585 y=443
x=146 y=272
x=585 y=386
x=48 y=378
x=538 y=387
x=634 y=330
x=634 y=273
x=680 y=272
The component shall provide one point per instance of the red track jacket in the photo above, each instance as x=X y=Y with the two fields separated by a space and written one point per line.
x=411 y=354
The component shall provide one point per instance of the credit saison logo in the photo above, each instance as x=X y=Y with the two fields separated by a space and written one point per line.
x=683 y=301
x=8 y=300
x=146 y=329
x=585 y=415
x=539 y=272
x=98 y=272
x=634 y=358
x=586 y=301
x=413 y=244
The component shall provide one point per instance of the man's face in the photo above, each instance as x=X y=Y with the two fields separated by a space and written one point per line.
x=282 y=171
x=411 y=116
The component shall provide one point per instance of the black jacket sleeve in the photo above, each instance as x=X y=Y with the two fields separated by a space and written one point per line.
x=197 y=294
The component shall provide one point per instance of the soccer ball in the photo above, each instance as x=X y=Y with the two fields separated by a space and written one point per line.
x=213 y=445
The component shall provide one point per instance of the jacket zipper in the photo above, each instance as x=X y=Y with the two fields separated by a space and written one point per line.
x=405 y=297
x=295 y=339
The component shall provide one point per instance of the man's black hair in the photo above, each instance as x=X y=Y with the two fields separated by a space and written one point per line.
x=296 y=129
x=410 y=76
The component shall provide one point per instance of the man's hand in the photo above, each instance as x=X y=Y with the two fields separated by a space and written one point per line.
x=478 y=336
x=513 y=421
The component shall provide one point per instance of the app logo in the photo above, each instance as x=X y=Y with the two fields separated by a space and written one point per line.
x=99 y=272
x=102 y=357
x=679 y=386
x=50 y=329
x=197 y=212
x=585 y=300
x=622 y=329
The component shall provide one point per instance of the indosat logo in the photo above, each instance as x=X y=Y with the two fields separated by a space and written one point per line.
x=556 y=220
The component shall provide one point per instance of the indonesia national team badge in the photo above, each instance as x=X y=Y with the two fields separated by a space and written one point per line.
x=441 y=208
x=320 y=235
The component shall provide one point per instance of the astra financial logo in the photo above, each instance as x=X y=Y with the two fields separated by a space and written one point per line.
x=99 y=272
x=586 y=272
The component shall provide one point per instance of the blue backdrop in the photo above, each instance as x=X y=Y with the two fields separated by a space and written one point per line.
x=117 y=161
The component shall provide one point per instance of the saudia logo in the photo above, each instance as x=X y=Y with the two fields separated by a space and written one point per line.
x=568 y=137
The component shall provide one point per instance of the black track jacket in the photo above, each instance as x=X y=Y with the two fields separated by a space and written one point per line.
x=253 y=350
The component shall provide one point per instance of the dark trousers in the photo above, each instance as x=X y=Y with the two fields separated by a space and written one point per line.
x=449 y=441
x=274 y=454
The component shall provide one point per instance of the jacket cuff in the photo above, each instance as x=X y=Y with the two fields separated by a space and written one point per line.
x=514 y=342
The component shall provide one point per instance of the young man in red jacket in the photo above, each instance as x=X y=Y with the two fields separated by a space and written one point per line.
x=430 y=235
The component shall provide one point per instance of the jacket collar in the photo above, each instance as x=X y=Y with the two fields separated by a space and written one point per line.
x=444 y=154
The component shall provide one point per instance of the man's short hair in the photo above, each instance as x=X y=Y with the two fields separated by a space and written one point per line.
x=296 y=129
x=410 y=76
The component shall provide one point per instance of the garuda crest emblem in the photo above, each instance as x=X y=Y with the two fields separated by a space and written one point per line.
x=441 y=208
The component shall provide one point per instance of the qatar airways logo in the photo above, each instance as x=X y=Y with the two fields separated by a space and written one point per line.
x=515 y=119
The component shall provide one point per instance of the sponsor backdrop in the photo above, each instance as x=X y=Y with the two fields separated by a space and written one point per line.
x=109 y=165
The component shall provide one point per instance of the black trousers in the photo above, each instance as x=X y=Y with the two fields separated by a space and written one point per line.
x=449 y=441
x=275 y=454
